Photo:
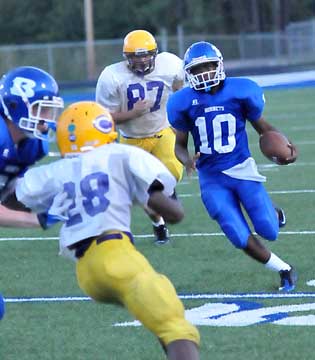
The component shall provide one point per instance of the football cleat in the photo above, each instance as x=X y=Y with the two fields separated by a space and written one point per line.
x=162 y=235
x=288 y=279
x=281 y=217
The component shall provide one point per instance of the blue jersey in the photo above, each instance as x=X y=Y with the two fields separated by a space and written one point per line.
x=217 y=121
x=15 y=159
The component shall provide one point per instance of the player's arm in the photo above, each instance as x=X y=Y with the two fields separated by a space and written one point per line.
x=140 y=108
x=177 y=84
x=168 y=207
x=13 y=213
x=261 y=126
x=19 y=219
x=182 y=153
x=107 y=94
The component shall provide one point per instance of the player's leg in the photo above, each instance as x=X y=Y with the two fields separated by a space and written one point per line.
x=260 y=209
x=114 y=271
x=159 y=227
x=164 y=151
x=223 y=205
x=182 y=350
x=152 y=299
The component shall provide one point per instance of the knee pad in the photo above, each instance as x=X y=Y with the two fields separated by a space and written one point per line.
x=267 y=229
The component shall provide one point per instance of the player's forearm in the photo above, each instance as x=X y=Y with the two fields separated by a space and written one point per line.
x=182 y=154
x=171 y=209
x=20 y=219
x=121 y=117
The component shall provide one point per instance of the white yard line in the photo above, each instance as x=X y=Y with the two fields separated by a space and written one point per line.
x=184 y=297
x=143 y=236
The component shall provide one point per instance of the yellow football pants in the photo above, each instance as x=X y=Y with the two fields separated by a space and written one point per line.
x=162 y=146
x=114 y=271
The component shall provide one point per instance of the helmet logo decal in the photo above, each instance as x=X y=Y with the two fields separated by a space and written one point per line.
x=103 y=124
x=23 y=86
x=72 y=136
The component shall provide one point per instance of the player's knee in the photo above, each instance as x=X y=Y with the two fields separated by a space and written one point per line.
x=166 y=318
x=178 y=329
x=267 y=230
x=237 y=236
x=176 y=169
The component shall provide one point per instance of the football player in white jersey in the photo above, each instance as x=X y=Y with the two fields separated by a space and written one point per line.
x=135 y=91
x=92 y=190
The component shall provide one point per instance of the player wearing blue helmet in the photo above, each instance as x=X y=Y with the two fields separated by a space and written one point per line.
x=214 y=109
x=29 y=105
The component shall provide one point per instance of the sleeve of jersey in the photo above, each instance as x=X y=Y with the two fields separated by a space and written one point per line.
x=106 y=92
x=31 y=150
x=179 y=68
x=37 y=188
x=145 y=168
x=255 y=101
x=175 y=114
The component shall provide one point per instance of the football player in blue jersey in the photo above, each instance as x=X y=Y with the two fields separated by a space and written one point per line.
x=29 y=106
x=214 y=109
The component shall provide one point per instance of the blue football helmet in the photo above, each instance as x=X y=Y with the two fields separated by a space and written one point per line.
x=29 y=98
x=203 y=52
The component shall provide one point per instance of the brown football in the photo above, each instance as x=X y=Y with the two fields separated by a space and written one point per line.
x=274 y=146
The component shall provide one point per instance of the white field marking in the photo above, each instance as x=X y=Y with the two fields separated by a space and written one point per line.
x=310 y=283
x=144 y=236
x=184 y=297
x=298 y=163
x=262 y=167
x=54 y=154
x=301 y=128
x=306 y=191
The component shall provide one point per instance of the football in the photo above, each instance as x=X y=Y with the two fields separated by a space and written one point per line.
x=274 y=146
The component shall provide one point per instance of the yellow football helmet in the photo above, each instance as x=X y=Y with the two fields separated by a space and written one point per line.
x=140 y=50
x=82 y=126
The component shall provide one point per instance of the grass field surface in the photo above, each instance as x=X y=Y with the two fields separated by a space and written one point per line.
x=232 y=299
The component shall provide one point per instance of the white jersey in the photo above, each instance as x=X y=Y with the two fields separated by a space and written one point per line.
x=102 y=184
x=118 y=89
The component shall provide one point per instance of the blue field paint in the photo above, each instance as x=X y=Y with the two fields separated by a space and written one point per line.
x=303 y=84
x=78 y=96
x=2 y=307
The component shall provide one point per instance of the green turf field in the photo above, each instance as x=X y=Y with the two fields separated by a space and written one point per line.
x=233 y=300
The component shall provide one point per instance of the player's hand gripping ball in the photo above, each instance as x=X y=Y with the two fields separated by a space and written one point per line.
x=277 y=148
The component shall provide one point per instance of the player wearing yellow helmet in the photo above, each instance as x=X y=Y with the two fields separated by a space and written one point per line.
x=135 y=91
x=92 y=192
x=140 y=50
